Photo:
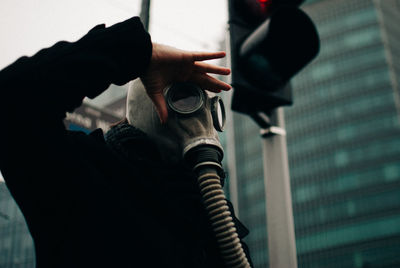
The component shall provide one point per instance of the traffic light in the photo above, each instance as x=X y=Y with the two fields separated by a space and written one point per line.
x=270 y=41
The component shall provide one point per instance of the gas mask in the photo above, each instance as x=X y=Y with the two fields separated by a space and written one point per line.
x=194 y=117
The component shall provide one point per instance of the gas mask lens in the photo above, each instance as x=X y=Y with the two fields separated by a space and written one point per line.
x=185 y=98
x=218 y=113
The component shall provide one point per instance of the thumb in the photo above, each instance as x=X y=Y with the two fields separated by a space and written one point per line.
x=161 y=106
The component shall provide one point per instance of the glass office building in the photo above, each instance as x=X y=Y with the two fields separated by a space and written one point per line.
x=343 y=143
x=247 y=171
x=16 y=245
x=344 y=139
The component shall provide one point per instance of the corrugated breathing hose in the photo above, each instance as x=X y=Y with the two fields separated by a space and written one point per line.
x=206 y=162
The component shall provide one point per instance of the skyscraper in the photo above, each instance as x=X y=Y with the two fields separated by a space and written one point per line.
x=343 y=143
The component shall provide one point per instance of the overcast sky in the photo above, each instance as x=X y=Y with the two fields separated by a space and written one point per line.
x=29 y=25
x=26 y=26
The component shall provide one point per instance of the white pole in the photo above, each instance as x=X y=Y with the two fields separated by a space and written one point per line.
x=279 y=211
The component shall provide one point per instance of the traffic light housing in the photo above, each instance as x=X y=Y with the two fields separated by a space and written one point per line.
x=270 y=41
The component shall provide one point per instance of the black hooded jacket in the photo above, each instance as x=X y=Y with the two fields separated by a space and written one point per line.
x=87 y=202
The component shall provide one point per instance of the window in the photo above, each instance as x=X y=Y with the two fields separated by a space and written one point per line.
x=340 y=235
x=392 y=172
x=349 y=21
x=341 y=158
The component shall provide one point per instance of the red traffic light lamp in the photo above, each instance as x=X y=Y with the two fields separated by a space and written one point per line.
x=278 y=48
x=265 y=56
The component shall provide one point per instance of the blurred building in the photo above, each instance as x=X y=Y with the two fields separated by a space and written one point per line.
x=16 y=246
x=344 y=138
x=343 y=143
x=88 y=117
x=243 y=150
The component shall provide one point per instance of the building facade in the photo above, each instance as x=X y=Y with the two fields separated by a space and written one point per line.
x=344 y=139
x=343 y=143
x=16 y=245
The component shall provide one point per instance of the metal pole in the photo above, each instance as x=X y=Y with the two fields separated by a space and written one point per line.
x=279 y=211
x=230 y=136
x=145 y=13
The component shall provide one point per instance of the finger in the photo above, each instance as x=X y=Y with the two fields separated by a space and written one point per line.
x=209 y=83
x=209 y=68
x=161 y=106
x=199 y=56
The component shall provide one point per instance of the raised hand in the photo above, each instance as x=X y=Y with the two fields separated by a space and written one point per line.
x=169 y=65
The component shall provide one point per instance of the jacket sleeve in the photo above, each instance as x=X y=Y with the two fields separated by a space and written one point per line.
x=62 y=75
x=37 y=91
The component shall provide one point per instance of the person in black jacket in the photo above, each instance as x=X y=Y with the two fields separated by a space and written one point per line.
x=87 y=202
